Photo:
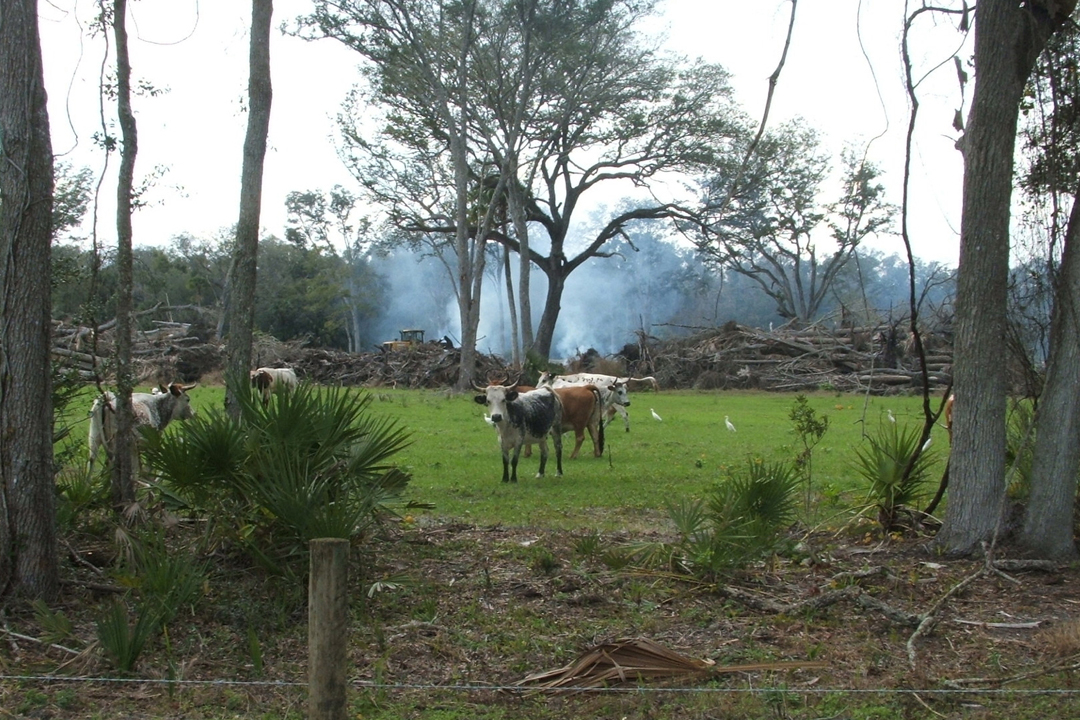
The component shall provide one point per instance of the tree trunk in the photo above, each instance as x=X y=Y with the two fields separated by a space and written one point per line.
x=515 y=343
x=545 y=331
x=242 y=273
x=28 y=563
x=123 y=451
x=516 y=205
x=1048 y=520
x=470 y=251
x=1008 y=39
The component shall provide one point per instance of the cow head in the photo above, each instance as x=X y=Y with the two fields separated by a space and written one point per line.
x=619 y=393
x=261 y=379
x=181 y=405
x=546 y=379
x=496 y=398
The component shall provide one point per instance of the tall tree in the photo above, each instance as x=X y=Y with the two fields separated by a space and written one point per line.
x=240 y=305
x=772 y=217
x=1008 y=39
x=123 y=470
x=419 y=57
x=28 y=562
x=1051 y=180
x=605 y=110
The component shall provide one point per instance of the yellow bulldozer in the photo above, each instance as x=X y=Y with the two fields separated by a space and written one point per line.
x=409 y=339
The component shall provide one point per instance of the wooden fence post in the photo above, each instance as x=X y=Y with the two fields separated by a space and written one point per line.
x=328 y=625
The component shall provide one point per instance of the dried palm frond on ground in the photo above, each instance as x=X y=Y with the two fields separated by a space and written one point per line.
x=635 y=659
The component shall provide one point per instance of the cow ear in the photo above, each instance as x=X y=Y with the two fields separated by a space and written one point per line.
x=482 y=399
x=511 y=395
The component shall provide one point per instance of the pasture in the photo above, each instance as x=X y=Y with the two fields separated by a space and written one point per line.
x=452 y=605
x=455 y=462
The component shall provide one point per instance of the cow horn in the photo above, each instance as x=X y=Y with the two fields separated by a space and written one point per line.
x=481 y=388
x=185 y=388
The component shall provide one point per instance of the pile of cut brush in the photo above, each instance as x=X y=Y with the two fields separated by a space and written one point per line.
x=848 y=359
x=733 y=356
x=162 y=350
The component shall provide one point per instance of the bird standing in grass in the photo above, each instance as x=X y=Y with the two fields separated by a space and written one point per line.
x=655 y=416
x=892 y=419
x=730 y=427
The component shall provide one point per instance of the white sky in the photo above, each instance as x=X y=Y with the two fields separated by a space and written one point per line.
x=197 y=50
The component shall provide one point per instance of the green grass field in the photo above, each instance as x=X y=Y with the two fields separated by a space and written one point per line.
x=455 y=462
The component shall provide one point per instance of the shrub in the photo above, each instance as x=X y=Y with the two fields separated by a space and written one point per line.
x=311 y=463
x=883 y=463
x=121 y=641
x=810 y=428
x=741 y=520
x=1019 y=448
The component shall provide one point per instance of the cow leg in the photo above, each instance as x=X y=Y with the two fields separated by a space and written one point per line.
x=625 y=416
x=579 y=438
x=556 y=440
x=543 y=458
x=514 y=463
x=597 y=443
x=506 y=467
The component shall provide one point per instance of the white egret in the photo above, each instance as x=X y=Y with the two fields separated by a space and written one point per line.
x=730 y=427
x=655 y=416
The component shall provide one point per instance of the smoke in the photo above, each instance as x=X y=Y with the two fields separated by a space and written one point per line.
x=647 y=283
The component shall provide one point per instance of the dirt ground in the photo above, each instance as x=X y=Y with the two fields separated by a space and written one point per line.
x=448 y=618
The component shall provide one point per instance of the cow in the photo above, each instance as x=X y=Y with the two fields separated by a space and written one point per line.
x=614 y=391
x=154 y=409
x=523 y=418
x=583 y=409
x=265 y=380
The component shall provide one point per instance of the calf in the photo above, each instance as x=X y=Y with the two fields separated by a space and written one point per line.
x=156 y=410
x=522 y=418
x=265 y=380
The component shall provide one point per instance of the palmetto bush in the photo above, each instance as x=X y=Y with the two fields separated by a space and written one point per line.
x=882 y=462
x=742 y=519
x=311 y=463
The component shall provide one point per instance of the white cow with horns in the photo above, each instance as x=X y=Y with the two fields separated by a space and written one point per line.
x=156 y=410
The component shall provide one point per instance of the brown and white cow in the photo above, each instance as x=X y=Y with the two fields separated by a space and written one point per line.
x=614 y=391
x=265 y=380
x=583 y=409
x=155 y=409
x=522 y=418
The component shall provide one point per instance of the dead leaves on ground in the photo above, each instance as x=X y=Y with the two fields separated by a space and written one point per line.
x=639 y=659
